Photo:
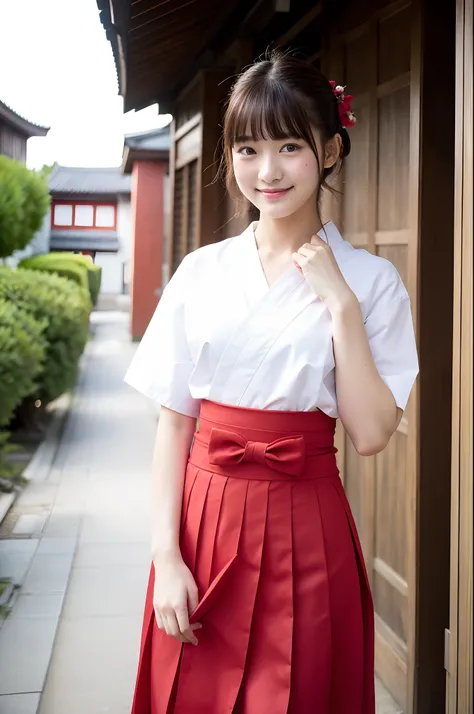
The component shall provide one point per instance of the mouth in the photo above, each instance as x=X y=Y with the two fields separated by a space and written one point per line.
x=274 y=193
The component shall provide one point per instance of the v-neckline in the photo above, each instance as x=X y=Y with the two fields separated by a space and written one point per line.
x=264 y=285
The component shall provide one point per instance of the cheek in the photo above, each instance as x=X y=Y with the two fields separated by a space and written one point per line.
x=243 y=173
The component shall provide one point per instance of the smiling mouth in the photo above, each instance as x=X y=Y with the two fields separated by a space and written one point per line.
x=274 y=191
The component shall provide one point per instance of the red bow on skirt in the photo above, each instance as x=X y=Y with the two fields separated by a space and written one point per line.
x=229 y=448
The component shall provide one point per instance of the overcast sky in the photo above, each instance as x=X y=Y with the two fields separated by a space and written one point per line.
x=57 y=69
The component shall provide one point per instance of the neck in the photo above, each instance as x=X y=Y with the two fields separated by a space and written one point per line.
x=285 y=235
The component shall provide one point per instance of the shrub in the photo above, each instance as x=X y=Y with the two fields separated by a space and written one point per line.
x=24 y=201
x=61 y=264
x=64 y=308
x=64 y=268
x=22 y=353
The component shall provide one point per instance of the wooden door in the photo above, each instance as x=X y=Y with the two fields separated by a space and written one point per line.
x=374 y=61
x=459 y=662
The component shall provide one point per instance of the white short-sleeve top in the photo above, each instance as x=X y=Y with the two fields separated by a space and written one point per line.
x=221 y=333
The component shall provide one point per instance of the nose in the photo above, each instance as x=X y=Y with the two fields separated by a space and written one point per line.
x=269 y=169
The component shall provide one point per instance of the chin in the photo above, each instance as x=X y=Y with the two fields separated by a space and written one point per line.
x=278 y=211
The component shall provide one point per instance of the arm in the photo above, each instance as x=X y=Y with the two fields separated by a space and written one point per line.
x=383 y=345
x=175 y=592
x=366 y=405
x=173 y=439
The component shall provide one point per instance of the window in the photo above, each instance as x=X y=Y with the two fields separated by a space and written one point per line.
x=62 y=215
x=84 y=216
x=105 y=216
x=100 y=216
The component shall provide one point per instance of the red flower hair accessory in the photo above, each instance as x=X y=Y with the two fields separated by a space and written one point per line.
x=344 y=102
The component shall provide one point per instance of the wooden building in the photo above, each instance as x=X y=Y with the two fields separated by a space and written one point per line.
x=408 y=196
x=15 y=132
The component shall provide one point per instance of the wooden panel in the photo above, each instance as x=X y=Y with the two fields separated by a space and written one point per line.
x=391 y=514
x=356 y=174
x=376 y=217
x=188 y=147
x=394 y=46
x=394 y=142
x=191 y=237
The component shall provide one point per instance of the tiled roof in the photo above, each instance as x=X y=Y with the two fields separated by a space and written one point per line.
x=78 y=180
x=154 y=139
x=20 y=123
x=84 y=240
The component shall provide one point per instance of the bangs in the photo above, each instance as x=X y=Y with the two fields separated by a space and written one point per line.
x=267 y=110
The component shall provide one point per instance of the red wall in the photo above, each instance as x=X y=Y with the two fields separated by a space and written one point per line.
x=147 y=251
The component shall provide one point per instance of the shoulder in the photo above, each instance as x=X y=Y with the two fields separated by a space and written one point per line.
x=372 y=278
x=379 y=273
x=204 y=262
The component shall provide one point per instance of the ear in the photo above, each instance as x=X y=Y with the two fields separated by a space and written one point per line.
x=332 y=151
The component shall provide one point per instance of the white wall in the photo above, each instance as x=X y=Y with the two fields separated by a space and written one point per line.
x=112 y=263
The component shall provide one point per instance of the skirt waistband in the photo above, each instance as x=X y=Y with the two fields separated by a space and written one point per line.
x=264 y=444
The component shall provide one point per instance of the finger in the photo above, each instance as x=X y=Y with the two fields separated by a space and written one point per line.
x=159 y=620
x=307 y=250
x=172 y=627
x=316 y=240
x=299 y=260
x=193 y=597
x=183 y=624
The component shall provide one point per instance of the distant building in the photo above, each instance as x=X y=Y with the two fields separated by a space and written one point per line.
x=15 y=132
x=146 y=158
x=91 y=214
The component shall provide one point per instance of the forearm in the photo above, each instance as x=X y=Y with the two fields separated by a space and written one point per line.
x=366 y=405
x=173 y=439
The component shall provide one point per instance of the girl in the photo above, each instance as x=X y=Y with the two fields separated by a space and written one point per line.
x=258 y=600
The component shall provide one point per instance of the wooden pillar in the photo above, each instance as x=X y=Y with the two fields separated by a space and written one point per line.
x=436 y=22
x=459 y=660
x=147 y=251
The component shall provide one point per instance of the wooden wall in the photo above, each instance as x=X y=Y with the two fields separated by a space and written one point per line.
x=12 y=143
x=398 y=203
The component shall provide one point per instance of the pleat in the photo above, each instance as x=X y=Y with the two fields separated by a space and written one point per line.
x=192 y=473
x=312 y=639
x=190 y=533
x=164 y=663
x=268 y=664
x=224 y=637
x=207 y=538
x=347 y=681
x=363 y=614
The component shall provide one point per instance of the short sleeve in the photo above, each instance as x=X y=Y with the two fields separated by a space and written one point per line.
x=162 y=364
x=389 y=327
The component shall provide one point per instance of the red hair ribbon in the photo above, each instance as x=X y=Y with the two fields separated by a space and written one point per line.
x=344 y=102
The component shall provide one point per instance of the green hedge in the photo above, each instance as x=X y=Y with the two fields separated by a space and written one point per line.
x=70 y=265
x=64 y=308
x=24 y=201
x=22 y=354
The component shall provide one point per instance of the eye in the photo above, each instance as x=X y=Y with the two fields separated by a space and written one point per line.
x=244 y=149
x=291 y=148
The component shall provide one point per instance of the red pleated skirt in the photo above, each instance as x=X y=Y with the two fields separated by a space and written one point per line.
x=286 y=608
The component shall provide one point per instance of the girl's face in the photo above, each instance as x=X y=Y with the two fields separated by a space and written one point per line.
x=278 y=176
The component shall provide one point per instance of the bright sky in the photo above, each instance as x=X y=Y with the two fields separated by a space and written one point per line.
x=57 y=69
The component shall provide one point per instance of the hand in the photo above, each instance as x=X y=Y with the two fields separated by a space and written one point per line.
x=175 y=596
x=319 y=266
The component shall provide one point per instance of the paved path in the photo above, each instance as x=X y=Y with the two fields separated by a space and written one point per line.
x=106 y=489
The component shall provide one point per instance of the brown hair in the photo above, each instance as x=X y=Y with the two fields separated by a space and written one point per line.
x=278 y=97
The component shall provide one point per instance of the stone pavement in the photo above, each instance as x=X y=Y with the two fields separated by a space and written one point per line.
x=84 y=563
x=89 y=564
